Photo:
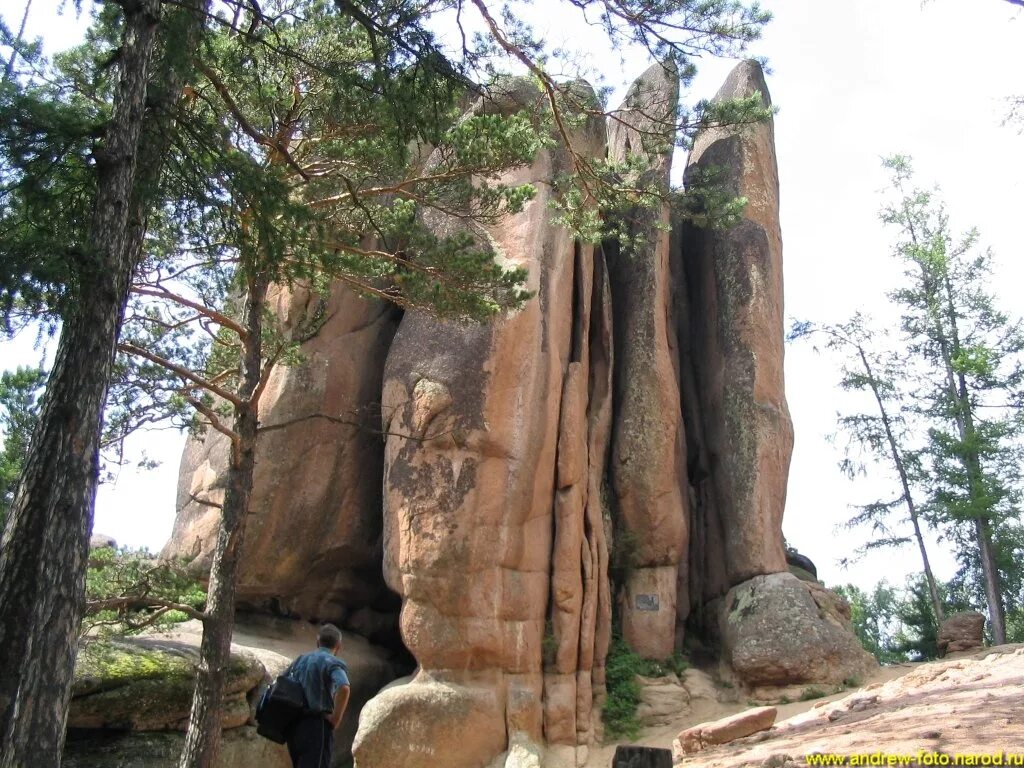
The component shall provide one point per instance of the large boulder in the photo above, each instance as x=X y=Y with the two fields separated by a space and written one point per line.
x=146 y=684
x=427 y=723
x=731 y=327
x=313 y=536
x=962 y=632
x=704 y=735
x=239 y=748
x=777 y=630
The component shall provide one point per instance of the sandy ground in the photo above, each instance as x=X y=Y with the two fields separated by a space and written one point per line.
x=966 y=706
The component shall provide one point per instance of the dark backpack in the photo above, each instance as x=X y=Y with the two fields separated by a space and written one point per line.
x=280 y=706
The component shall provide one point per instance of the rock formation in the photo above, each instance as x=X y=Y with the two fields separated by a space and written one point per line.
x=613 y=454
x=961 y=632
x=312 y=546
x=649 y=444
x=130 y=702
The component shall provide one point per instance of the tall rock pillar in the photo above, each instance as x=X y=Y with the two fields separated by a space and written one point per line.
x=733 y=327
x=494 y=534
x=648 y=461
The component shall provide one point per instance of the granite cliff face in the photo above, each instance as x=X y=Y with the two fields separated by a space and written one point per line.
x=632 y=414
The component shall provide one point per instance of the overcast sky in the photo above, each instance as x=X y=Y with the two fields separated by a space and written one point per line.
x=853 y=82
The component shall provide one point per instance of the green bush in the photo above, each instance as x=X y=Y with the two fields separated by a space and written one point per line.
x=619 y=713
x=621 y=668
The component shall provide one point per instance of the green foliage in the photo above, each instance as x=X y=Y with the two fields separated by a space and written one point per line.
x=20 y=393
x=549 y=645
x=970 y=391
x=893 y=624
x=128 y=591
x=623 y=691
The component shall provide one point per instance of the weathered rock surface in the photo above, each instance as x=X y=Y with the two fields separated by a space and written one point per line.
x=146 y=684
x=962 y=632
x=494 y=534
x=634 y=406
x=967 y=706
x=723 y=731
x=732 y=324
x=313 y=539
x=662 y=700
x=648 y=459
x=779 y=630
x=239 y=748
x=427 y=723
x=102 y=540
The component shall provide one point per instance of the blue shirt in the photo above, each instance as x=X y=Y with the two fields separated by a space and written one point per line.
x=321 y=674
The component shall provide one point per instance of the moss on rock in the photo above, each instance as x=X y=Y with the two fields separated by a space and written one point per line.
x=147 y=684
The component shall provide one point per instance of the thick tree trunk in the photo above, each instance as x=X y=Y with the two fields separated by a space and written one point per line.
x=202 y=740
x=45 y=542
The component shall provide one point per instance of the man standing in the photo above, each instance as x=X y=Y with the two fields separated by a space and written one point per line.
x=324 y=679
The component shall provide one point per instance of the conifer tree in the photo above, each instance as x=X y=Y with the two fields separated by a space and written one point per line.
x=872 y=367
x=971 y=355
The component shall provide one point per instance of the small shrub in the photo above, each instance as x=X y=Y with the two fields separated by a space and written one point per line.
x=785 y=700
x=851 y=682
x=621 y=670
x=812 y=693
x=619 y=713
x=678 y=663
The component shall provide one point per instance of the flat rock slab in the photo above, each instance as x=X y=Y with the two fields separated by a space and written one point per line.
x=723 y=731
x=641 y=757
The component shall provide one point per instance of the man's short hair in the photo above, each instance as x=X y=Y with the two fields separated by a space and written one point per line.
x=329 y=636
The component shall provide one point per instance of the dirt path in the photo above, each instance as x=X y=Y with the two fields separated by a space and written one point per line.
x=972 y=705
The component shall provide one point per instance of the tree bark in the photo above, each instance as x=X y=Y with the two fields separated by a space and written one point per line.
x=202 y=739
x=45 y=544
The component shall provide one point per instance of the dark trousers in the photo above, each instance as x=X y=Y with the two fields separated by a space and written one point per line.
x=310 y=742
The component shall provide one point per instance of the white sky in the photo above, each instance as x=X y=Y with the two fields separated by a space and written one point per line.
x=854 y=82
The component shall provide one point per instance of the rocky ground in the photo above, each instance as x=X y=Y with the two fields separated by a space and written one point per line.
x=964 y=706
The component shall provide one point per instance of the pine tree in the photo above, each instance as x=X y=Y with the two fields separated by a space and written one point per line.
x=972 y=354
x=75 y=194
x=884 y=433
x=19 y=414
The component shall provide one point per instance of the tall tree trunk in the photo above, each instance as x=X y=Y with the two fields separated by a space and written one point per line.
x=901 y=468
x=956 y=384
x=45 y=541
x=202 y=740
x=975 y=476
x=9 y=70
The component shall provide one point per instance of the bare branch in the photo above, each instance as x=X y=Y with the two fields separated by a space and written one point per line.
x=218 y=317
x=181 y=371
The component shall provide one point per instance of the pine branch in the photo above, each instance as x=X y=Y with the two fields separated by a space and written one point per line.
x=218 y=317
x=181 y=371
x=130 y=603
